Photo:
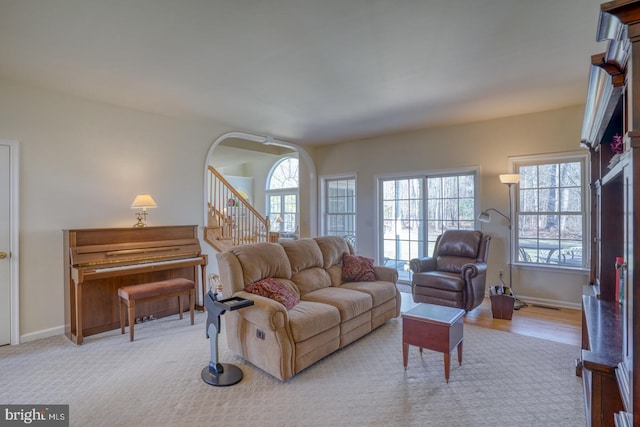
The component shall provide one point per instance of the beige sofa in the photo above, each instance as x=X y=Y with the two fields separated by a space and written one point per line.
x=331 y=313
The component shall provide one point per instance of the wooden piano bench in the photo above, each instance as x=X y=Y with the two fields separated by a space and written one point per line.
x=153 y=291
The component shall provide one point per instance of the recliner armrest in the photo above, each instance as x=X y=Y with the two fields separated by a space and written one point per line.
x=419 y=265
x=265 y=313
x=471 y=269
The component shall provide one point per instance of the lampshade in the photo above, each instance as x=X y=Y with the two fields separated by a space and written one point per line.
x=510 y=178
x=143 y=201
x=484 y=217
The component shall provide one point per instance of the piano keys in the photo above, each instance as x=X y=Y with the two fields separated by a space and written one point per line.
x=99 y=261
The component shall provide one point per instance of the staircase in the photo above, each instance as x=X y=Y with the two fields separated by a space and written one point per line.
x=232 y=221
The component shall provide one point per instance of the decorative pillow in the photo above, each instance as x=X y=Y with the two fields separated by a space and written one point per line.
x=275 y=290
x=357 y=268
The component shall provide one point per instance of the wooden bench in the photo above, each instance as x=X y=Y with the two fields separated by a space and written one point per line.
x=145 y=292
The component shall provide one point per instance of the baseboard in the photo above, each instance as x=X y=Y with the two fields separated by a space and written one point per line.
x=550 y=303
x=44 y=333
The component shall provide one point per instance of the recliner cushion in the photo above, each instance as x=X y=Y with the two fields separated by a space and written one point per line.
x=439 y=280
x=452 y=264
x=462 y=243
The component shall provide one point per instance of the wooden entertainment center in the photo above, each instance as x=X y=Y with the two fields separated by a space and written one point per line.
x=609 y=359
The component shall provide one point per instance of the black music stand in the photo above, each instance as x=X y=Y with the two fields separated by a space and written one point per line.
x=220 y=374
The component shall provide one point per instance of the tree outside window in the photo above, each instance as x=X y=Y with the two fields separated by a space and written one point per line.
x=416 y=210
x=551 y=212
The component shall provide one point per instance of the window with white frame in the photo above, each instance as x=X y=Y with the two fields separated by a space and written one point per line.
x=282 y=197
x=339 y=202
x=551 y=210
x=416 y=210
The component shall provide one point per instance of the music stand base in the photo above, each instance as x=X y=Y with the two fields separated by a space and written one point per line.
x=230 y=375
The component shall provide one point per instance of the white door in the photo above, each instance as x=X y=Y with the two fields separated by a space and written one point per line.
x=5 y=270
x=9 y=246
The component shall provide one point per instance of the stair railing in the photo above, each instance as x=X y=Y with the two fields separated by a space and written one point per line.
x=233 y=216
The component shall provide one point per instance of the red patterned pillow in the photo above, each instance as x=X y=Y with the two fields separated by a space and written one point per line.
x=275 y=290
x=357 y=268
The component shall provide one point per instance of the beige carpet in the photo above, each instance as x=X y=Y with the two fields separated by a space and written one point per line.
x=505 y=380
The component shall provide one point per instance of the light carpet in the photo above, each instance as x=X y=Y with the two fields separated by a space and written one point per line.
x=505 y=379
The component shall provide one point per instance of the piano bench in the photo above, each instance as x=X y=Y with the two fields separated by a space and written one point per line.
x=153 y=291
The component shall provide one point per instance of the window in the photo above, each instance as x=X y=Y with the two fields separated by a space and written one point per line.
x=416 y=210
x=550 y=210
x=339 y=201
x=282 y=197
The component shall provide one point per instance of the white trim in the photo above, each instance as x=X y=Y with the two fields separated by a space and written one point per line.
x=43 y=333
x=537 y=159
x=323 y=195
x=418 y=174
x=14 y=237
x=267 y=140
x=430 y=172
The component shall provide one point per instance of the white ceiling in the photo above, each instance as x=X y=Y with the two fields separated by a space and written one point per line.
x=307 y=71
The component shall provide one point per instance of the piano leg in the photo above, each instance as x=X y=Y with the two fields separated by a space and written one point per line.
x=78 y=338
x=203 y=284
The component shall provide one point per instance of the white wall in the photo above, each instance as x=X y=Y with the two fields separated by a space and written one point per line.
x=82 y=163
x=485 y=144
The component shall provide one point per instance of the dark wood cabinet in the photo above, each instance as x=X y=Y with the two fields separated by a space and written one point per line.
x=609 y=358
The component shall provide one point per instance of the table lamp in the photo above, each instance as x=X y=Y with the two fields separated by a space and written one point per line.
x=142 y=202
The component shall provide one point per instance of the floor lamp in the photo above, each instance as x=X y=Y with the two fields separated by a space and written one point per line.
x=485 y=216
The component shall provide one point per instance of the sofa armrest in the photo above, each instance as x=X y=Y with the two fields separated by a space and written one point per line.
x=386 y=274
x=264 y=313
x=419 y=265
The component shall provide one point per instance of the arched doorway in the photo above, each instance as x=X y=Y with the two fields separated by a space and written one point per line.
x=231 y=146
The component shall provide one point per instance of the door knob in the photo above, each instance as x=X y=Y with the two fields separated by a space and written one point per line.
x=3 y=255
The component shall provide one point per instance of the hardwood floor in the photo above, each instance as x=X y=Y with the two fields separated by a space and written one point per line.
x=560 y=325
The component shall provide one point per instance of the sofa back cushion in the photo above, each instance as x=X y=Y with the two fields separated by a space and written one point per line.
x=261 y=260
x=306 y=263
x=332 y=248
x=302 y=254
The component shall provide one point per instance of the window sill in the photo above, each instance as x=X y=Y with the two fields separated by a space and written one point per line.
x=551 y=267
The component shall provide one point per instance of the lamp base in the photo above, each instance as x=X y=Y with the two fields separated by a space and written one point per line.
x=141 y=217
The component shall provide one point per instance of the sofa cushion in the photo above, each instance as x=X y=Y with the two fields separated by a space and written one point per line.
x=303 y=254
x=381 y=292
x=311 y=279
x=350 y=303
x=332 y=248
x=357 y=269
x=308 y=319
x=335 y=274
x=261 y=260
x=275 y=290
x=305 y=258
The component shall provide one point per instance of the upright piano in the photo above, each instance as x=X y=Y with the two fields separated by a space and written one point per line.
x=99 y=261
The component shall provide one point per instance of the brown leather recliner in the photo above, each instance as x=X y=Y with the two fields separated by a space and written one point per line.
x=456 y=274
